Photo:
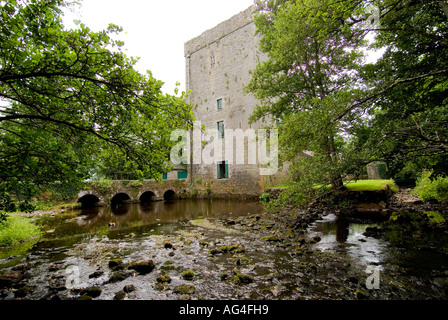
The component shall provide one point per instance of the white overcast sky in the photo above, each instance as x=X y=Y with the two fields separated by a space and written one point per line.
x=156 y=31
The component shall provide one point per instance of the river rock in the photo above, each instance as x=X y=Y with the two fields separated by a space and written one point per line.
x=96 y=274
x=188 y=275
x=360 y=295
x=115 y=264
x=168 y=245
x=23 y=267
x=142 y=266
x=352 y=279
x=163 y=278
x=120 y=295
x=23 y=292
x=184 y=289
x=119 y=276
x=93 y=292
x=10 y=278
x=272 y=239
x=129 y=288
x=236 y=248
x=242 y=279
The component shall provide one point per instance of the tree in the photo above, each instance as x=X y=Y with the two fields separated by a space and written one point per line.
x=394 y=110
x=308 y=80
x=407 y=103
x=71 y=97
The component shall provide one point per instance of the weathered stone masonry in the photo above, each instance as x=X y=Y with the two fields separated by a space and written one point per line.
x=219 y=64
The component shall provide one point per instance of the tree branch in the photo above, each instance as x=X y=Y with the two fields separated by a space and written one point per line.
x=381 y=92
x=61 y=122
x=13 y=77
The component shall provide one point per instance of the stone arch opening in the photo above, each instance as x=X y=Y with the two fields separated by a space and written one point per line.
x=89 y=201
x=147 y=197
x=120 y=199
x=169 y=195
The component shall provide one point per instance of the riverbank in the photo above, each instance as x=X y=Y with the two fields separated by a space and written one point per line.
x=226 y=250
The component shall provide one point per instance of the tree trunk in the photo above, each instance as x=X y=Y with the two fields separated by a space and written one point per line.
x=336 y=182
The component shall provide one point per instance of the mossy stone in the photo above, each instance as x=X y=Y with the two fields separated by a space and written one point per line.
x=184 y=289
x=163 y=278
x=188 y=275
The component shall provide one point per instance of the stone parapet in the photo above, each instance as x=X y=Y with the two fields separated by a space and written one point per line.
x=220 y=31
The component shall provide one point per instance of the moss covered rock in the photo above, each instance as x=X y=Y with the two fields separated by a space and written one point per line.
x=142 y=266
x=93 y=292
x=184 y=289
x=188 y=275
x=163 y=278
x=240 y=278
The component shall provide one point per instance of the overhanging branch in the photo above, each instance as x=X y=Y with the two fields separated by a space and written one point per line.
x=383 y=91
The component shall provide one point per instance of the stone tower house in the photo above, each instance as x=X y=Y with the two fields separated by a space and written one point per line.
x=219 y=64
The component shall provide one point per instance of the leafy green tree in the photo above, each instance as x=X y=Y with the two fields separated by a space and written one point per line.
x=70 y=98
x=309 y=78
x=347 y=112
x=408 y=100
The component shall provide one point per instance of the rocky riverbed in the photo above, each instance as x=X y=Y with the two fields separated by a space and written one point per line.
x=255 y=255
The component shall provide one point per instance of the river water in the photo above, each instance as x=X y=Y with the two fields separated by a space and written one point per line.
x=224 y=243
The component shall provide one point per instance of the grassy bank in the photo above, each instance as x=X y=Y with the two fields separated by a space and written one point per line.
x=359 y=185
x=371 y=185
x=17 y=229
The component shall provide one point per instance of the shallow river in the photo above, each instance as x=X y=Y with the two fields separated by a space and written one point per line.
x=219 y=241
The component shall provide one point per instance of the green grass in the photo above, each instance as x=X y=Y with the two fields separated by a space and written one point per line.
x=371 y=185
x=359 y=185
x=280 y=186
x=435 y=217
x=17 y=229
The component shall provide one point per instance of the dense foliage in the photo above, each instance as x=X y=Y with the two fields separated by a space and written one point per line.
x=343 y=111
x=17 y=229
x=72 y=106
x=430 y=187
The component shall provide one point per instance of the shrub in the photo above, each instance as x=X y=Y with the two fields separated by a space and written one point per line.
x=64 y=191
x=3 y=217
x=265 y=197
x=137 y=184
x=102 y=186
x=17 y=229
x=7 y=203
x=431 y=189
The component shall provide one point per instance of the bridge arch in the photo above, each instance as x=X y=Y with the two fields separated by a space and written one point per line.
x=120 y=199
x=147 y=196
x=170 y=195
x=89 y=201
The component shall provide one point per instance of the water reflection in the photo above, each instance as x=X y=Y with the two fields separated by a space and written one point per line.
x=342 y=236
x=164 y=212
x=342 y=230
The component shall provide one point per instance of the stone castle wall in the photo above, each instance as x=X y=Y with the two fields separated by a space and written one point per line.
x=219 y=65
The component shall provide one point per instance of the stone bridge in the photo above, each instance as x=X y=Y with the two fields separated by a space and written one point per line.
x=103 y=193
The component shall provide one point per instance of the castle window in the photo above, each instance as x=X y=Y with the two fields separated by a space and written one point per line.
x=219 y=104
x=212 y=60
x=223 y=170
x=221 y=130
x=182 y=175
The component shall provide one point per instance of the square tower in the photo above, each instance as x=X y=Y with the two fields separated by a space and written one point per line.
x=219 y=65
